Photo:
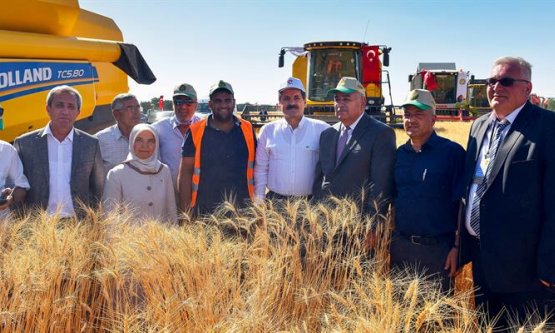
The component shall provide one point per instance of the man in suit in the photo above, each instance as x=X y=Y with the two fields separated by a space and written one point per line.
x=357 y=154
x=509 y=231
x=63 y=164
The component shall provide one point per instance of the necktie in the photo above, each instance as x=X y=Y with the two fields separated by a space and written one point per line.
x=342 y=142
x=481 y=188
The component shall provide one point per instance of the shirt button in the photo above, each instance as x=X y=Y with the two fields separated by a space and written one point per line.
x=148 y=188
x=150 y=204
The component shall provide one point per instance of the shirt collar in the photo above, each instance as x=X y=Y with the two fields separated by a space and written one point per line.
x=236 y=120
x=432 y=141
x=175 y=123
x=48 y=131
x=301 y=124
x=353 y=125
x=117 y=133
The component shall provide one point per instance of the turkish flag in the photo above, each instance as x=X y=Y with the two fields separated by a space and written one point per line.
x=161 y=103
x=371 y=65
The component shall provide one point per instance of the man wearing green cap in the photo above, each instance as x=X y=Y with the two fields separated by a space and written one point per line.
x=171 y=131
x=218 y=157
x=428 y=192
x=357 y=154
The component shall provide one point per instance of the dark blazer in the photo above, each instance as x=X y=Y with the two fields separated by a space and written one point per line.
x=517 y=211
x=364 y=171
x=87 y=170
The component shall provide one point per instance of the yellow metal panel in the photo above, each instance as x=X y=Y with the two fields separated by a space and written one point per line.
x=299 y=70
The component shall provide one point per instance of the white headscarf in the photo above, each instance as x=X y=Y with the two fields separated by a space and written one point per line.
x=152 y=164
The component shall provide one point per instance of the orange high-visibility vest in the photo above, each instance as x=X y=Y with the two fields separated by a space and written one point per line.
x=197 y=131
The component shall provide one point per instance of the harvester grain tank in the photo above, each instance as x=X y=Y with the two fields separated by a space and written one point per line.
x=320 y=66
x=48 y=43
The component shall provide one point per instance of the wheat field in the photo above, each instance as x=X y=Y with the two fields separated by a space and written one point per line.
x=291 y=267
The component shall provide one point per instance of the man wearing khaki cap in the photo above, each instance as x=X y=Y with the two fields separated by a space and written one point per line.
x=288 y=148
x=171 y=131
x=357 y=154
x=217 y=157
x=428 y=192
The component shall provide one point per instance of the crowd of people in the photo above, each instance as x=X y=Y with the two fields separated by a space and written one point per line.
x=493 y=205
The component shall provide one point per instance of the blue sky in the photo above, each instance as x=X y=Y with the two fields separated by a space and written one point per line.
x=201 y=42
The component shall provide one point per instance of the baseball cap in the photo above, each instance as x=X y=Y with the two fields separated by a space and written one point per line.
x=421 y=98
x=292 y=83
x=348 y=85
x=220 y=85
x=185 y=89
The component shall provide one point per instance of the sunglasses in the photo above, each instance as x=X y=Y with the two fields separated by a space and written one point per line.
x=505 y=82
x=183 y=102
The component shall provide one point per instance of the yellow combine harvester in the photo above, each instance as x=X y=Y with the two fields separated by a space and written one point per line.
x=48 y=43
x=320 y=66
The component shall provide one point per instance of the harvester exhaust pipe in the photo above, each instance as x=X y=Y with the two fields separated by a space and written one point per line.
x=386 y=51
x=281 y=61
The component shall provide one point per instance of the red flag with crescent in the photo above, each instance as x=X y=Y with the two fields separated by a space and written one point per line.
x=161 y=103
x=371 y=65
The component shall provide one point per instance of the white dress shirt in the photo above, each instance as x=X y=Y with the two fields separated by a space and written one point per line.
x=114 y=147
x=481 y=165
x=59 y=167
x=286 y=158
x=11 y=172
x=171 y=141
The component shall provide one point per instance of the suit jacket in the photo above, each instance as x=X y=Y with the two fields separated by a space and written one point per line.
x=364 y=171
x=87 y=170
x=517 y=211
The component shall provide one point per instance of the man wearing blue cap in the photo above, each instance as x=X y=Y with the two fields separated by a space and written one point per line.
x=287 y=149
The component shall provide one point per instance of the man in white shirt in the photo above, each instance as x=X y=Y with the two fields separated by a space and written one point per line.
x=171 y=131
x=114 y=140
x=63 y=164
x=287 y=150
x=13 y=183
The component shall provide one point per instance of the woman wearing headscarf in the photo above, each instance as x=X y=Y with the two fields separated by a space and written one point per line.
x=142 y=183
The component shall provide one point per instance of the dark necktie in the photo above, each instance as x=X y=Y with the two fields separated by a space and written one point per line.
x=482 y=185
x=342 y=142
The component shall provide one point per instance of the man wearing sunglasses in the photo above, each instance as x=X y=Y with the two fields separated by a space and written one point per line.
x=171 y=131
x=509 y=231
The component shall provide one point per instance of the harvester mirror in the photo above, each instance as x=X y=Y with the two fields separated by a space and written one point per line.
x=281 y=58
x=410 y=78
x=386 y=56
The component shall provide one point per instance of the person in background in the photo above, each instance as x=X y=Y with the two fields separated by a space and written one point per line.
x=13 y=183
x=141 y=183
x=171 y=131
x=114 y=140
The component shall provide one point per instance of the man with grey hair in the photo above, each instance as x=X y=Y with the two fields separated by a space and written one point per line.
x=509 y=231
x=114 y=140
x=428 y=193
x=63 y=164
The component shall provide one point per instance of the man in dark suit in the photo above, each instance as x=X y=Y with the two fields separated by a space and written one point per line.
x=509 y=231
x=63 y=164
x=357 y=154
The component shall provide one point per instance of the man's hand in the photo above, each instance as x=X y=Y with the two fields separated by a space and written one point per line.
x=451 y=262
x=7 y=193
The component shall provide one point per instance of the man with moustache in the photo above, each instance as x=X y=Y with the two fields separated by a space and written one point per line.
x=509 y=230
x=287 y=149
x=63 y=164
x=114 y=140
x=218 y=157
x=171 y=131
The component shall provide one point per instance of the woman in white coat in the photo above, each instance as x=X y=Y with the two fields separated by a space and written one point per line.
x=142 y=183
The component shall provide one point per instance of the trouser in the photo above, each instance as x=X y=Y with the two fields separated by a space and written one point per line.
x=518 y=304
x=423 y=255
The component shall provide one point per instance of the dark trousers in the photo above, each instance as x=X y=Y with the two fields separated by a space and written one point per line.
x=510 y=306
x=427 y=259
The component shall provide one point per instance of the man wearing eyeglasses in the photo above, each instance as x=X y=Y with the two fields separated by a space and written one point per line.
x=509 y=231
x=171 y=131
x=114 y=140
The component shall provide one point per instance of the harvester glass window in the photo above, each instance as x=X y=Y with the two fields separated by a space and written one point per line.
x=478 y=96
x=446 y=92
x=326 y=68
